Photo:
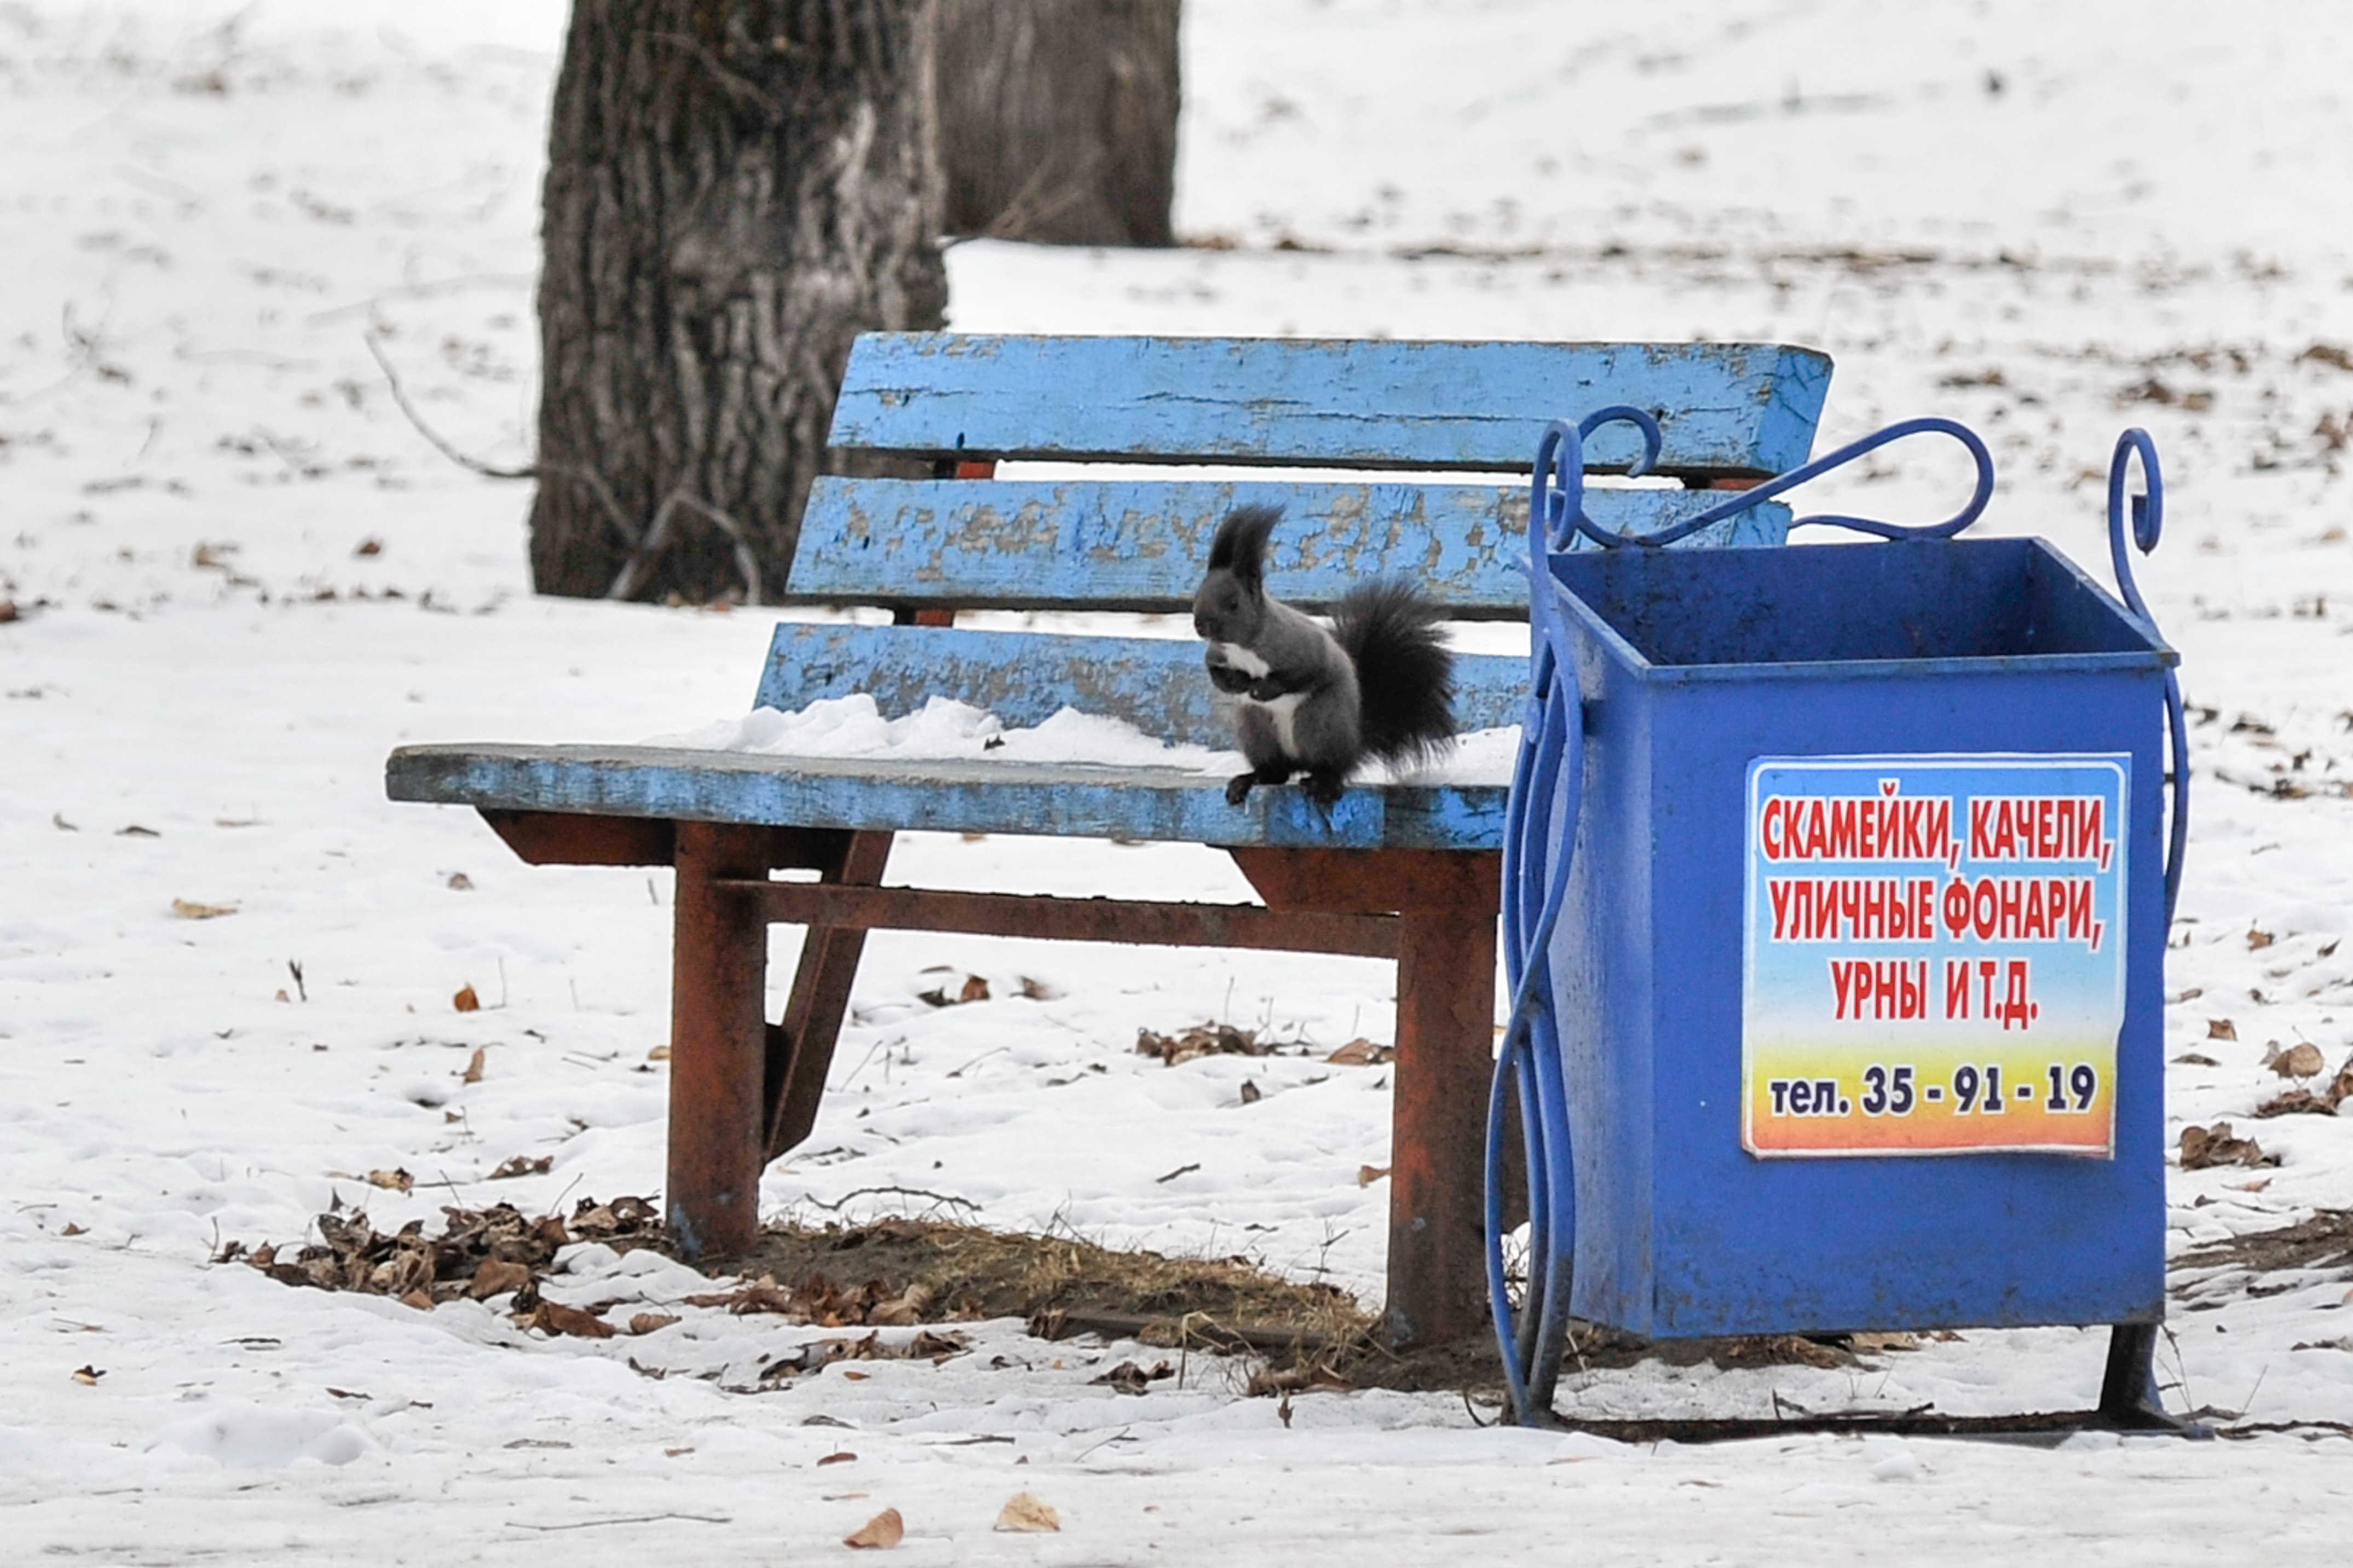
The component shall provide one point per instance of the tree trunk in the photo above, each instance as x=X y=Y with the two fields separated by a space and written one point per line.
x=736 y=189
x=1058 y=119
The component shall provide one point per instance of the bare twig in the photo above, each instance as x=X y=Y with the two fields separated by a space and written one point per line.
x=1035 y=202
x=424 y=291
x=746 y=562
x=400 y=397
x=587 y=475
x=631 y=1518
x=649 y=548
x=646 y=544
x=633 y=572
x=843 y=1202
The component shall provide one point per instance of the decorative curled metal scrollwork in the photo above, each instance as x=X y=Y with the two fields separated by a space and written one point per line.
x=1556 y=489
x=2146 y=510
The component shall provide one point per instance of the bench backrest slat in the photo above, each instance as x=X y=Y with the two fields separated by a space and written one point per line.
x=1025 y=677
x=1727 y=408
x=1140 y=544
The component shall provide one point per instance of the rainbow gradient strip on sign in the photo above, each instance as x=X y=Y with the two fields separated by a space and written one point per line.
x=1934 y=955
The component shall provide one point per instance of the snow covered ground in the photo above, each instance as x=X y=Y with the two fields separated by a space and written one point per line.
x=241 y=578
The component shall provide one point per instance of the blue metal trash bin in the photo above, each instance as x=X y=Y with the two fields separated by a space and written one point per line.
x=1838 y=917
x=1799 y=763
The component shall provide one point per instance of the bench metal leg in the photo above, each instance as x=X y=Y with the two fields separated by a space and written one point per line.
x=719 y=971
x=1445 y=1042
x=799 y=1051
x=1446 y=902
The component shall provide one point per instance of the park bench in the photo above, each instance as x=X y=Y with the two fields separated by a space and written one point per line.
x=1408 y=871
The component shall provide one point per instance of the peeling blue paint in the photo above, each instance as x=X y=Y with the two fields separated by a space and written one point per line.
x=1731 y=407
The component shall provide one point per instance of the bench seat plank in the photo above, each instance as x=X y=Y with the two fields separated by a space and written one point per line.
x=1157 y=684
x=1166 y=805
x=1141 y=545
x=1727 y=408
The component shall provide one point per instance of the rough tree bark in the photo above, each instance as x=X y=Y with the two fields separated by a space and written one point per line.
x=1058 y=119
x=736 y=189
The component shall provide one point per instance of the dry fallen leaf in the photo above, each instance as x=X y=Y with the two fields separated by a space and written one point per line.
x=73 y=1229
x=368 y=546
x=885 y=1528
x=647 y=1322
x=496 y=1277
x=1368 y=1174
x=2302 y=1060
x=1201 y=1040
x=2205 y=1146
x=2221 y=1029
x=420 y=1299
x=553 y=1318
x=975 y=989
x=460 y=883
x=2259 y=939
x=1027 y=1515
x=1362 y=1053
x=188 y=910
x=658 y=1054
x=88 y=1376
x=1129 y=1378
x=901 y=1311
x=522 y=1165
x=395 y=1181
x=473 y=1073
x=842 y=1457
x=465 y=1001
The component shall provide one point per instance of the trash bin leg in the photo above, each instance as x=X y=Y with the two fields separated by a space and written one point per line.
x=2128 y=1397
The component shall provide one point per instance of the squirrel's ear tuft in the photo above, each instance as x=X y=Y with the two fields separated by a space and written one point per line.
x=1240 y=544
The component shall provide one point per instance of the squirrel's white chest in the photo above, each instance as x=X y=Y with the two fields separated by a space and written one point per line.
x=1282 y=717
x=1235 y=657
x=1280 y=713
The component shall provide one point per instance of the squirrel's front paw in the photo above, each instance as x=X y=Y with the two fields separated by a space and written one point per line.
x=1326 y=789
x=1238 y=788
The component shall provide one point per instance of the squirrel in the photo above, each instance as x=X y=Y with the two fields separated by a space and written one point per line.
x=1379 y=683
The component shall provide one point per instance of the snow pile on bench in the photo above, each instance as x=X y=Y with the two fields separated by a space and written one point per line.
x=945 y=730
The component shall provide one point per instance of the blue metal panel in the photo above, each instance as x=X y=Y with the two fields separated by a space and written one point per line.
x=1025 y=677
x=1140 y=545
x=1680 y=1232
x=1727 y=408
x=1161 y=804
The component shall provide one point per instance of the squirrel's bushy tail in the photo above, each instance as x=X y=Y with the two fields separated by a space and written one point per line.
x=1405 y=673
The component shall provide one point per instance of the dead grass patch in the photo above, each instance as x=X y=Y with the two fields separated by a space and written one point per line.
x=902 y=1272
x=2324 y=1241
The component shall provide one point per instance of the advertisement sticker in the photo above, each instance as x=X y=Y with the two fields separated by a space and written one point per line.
x=1935 y=954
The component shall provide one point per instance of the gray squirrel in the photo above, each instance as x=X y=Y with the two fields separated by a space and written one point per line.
x=1379 y=683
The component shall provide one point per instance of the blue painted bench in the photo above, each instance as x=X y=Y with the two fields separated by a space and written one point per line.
x=1408 y=871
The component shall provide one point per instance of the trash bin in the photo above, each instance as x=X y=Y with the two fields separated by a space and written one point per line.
x=1857 y=968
